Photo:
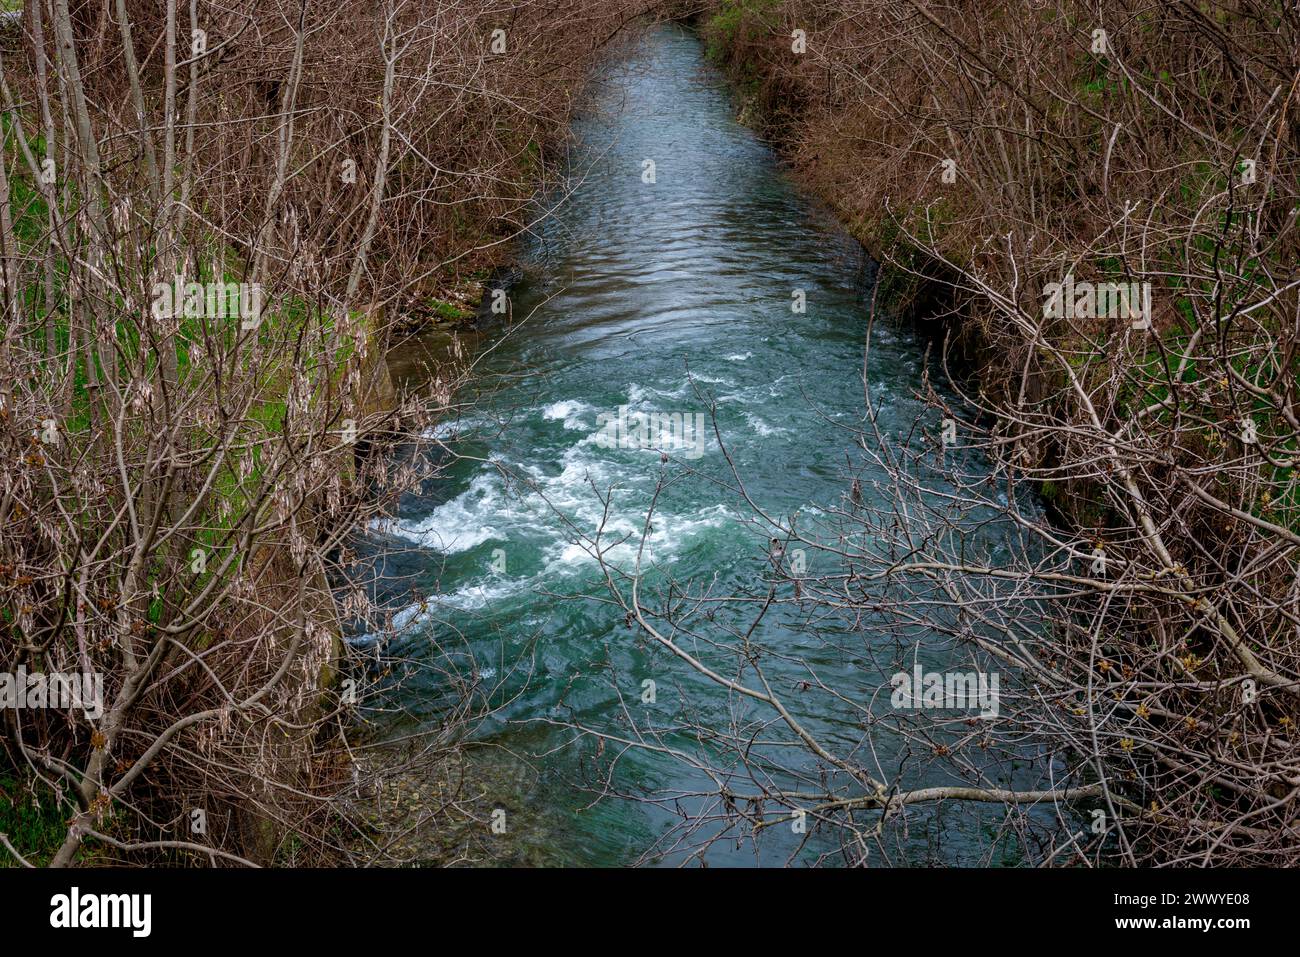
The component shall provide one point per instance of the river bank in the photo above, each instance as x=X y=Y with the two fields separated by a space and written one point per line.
x=183 y=473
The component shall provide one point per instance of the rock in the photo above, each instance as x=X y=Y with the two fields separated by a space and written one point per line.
x=502 y=278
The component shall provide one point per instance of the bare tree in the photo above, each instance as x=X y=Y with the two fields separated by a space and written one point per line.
x=215 y=221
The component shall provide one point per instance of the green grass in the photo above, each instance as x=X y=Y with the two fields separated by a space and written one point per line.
x=448 y=310
x=35 y=830
x=736 y=22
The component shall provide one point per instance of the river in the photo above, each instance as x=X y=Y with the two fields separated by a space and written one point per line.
x=662 y=296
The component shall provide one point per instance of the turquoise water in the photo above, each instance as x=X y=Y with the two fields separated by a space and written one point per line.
x=671 y=296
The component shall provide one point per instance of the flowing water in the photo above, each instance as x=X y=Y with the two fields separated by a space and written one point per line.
x=660 y=296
